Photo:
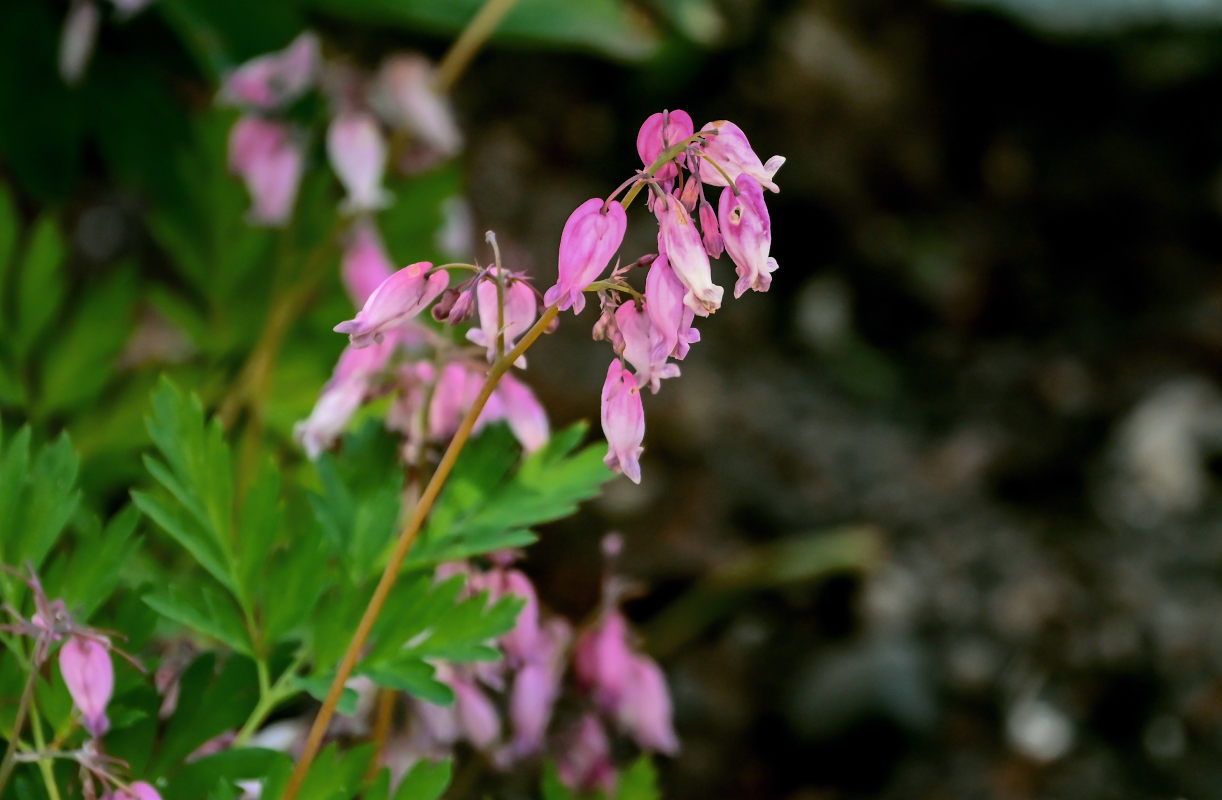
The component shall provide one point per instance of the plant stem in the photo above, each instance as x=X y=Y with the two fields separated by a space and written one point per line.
x=402 y=546
x=269 y=697
x=23 y=707
x=468 y=43
x=44 y=764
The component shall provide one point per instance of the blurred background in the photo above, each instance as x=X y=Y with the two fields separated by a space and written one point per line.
x=937 y=517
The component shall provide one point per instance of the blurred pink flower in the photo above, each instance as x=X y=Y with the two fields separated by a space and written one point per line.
x=402 y=93
x=521 y=308
x=268 y=158
x=357 y=151
x=274 y=80
x=78 y=39
x=365 y=264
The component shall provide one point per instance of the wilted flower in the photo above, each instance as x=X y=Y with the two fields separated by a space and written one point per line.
x=590 y=238
x=397 y=299
x=623 y=420
x=357 y=151
x=748 y=234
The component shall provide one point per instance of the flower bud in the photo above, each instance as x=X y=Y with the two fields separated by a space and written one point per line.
x=365 y=264
x=589 y=240
x=679 y=239
x=660 y=131
x=357 y=152
x=748 y=234
x=397 y=299
x=732 y=152
x=623 y=420
x=274 y=80
x=714 y=245
x=85 y=664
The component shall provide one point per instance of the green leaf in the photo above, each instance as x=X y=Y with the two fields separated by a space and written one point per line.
x=226 y=767
x=41 y=284
x=296 y=577
x=37 y=498
x=485 y=506
x=638 y=782
x=317 y=687
x=552 y=788
x=205 y=610
x=426 y=780
x=332 y=776
x=209 y=703
x=93 y=566
x=259 y=523
x=9 y=226
x=412 y=675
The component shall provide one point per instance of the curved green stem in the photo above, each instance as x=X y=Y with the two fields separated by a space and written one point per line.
x=23 y=708
x=468 y=43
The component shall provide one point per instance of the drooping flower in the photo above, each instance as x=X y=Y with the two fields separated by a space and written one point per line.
x=134 y=791
x=623 y=420
x=662 y=130
x=524 y=413
x=748 y=234
x=357 y=151
x=403 y=95
x=343 y=395
x=521 y=307
x=365 y=264
x=584 y=764
x=641 y=341
x=85 y=664
x=732 y=152
x=478 y=721
x=590 y=238
x=397 y=299
x=269 y=160
x=680 y=241
x=714 y=245
x=536 y=687
x=644 y=709
x=275 y=79
x=602 y=660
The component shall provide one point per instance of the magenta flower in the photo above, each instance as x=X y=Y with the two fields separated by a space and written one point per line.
x=453 y=394
x=403 y=95
x=660 y=131
x=521 y=307
x=536 y=688
x=85 y=664
x=680 y=241
x=644 y=711
x=623 y=419
x=397 y=299
x=270 y=162
x=589 y=240
x=714 y=245
x=135 y=791
x=602 y=660
x=524 y=413
x=584 y=764
x=357 y=152
x=275 y=79
x=733 y=153
x=365 y=264
x=748 y=234
x=343 y=395
x=641 y=342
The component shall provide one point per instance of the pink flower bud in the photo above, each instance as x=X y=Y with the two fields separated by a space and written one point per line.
x=641 y=342
x=403 y=95
x=585 y=764
x=644 y=711
x=270 y=162
x=357 y=152
x=77 y=41
x=733 y=153
x=365 y=264
x=602 y=660
x=748 y=234
x=85 y=664
x=275 y=79
x=397 y=299
x=690 y=195
x=605 y=329
x=524 y=413
x=623 y=419
x=521 y=307
x=589 y=240
x=660 y=131
x=713 y=243
x=680 y=241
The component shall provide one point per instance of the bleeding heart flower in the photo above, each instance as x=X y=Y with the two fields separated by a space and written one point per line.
x=589 y=240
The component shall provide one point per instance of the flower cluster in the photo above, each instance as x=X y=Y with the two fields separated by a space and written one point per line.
x=268 y=152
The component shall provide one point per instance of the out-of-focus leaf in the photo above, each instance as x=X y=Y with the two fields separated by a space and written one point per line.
x=638 y=782
x=412 y=675
x=552 y=788
x=209 y=703
x=332 y=776
x=227 y=767
x=296 y=577
x=205 y=610
x=9 y=226
x=94 y=564
x=221 y=34
x=427 y=780
x=37 y=497
x=40 y=283
x=317 y=686
x=608 y=27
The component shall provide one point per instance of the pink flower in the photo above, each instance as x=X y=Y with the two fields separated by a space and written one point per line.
x=748 y=234
x=77 y=41
x=585 y=764
x=357 y=152
x=714 y=245
x=397 y=299
x=453 y=394
x=403 y=95
x=733 y=153
x=523 y=412
x=275 y=79
x=478 y=721
x=589 y=240
x=644 y=711
x=602 y=660
x=269 y=160
x=135 y=791
x=660 y=131
x=536 y=688
x=342 y=395
x=85 y=664
x=521 y=306
x=680 y=241
x=365 y=264
x=641 y=342
x=623 y=419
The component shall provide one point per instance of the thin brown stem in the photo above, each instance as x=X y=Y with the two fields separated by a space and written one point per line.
x=468 y=43
x=406 y=539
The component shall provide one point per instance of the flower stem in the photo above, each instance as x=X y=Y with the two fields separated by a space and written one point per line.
x=468 y=43
x=23 y=707
x=410 y=531
x=44 y=764
x=663 y=157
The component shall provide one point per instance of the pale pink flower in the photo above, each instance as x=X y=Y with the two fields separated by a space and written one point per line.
x=135 y=791
x=269 y=160
x=536 y=688
x=748 y=234
x=343 y=395
x=602 y=660
x=403 y=95
x=453 y=394
x=523 y=412
x=357 y=151
x=623 y=420
x=662 y=130
x=521 y=307
x=275 y=79
x=714 y=245
x=680 y=241
x=641 y=342
x=590 y=238
x=397 y=299
x=584 y=764
x=733 y=153
x=365 y=264
x=644 y=709
x=85 y=665
x=478 y=721
x=78 y=39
